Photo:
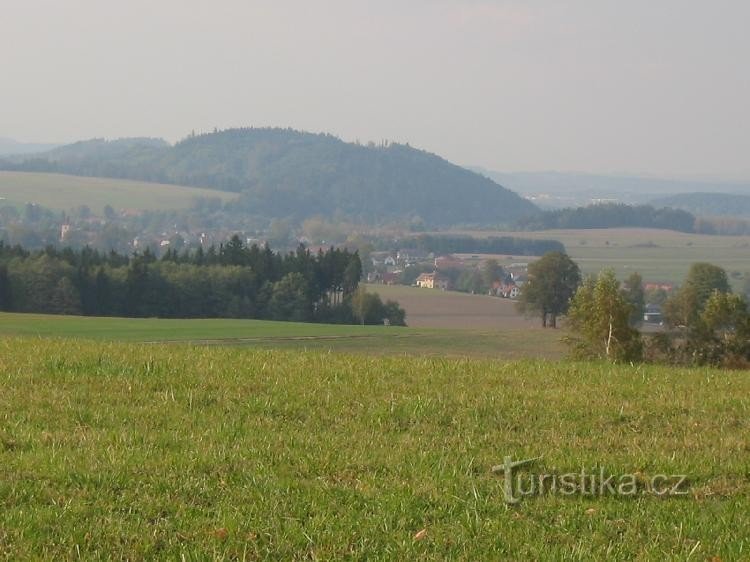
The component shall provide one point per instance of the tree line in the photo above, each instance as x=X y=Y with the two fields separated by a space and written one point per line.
x=610 y=215
x=706 y=323
x=511 y=245
x=232 y=280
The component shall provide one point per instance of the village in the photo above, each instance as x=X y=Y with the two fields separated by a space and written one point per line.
x=471 y=273
x=493 y=275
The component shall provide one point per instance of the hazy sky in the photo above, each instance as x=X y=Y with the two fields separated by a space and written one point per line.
x=642 y=86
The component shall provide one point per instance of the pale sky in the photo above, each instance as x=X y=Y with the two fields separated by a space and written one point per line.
x=658 y=87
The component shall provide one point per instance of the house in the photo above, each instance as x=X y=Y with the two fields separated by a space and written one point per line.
x=506 y=289
x=652 y=314
x=432 y=281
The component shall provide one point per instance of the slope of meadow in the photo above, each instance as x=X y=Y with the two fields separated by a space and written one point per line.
x=111 y=450
x=63 y=192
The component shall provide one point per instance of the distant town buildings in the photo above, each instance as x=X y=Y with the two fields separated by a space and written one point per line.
x=432 y=281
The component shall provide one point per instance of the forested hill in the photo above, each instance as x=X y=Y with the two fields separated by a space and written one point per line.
x=708 y=204
x=287 y=173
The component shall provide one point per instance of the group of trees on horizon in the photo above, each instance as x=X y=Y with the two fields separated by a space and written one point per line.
x=229 y=281
x=610 y=215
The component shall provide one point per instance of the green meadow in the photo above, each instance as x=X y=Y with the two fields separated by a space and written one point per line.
x=64 y=192
x=658 y=255
x=135 y=451
x=513 y=343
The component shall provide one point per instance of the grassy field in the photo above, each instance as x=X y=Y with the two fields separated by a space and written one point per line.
x=142 y=452
x=62 y=192
x=659 y=255
x=506 y=343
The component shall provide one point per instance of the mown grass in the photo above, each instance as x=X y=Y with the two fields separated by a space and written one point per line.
x=64 y=192
x=131 y=451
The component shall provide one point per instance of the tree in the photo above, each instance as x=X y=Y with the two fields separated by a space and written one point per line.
x=65 y=298
x=395 y=315
x=721 y=335
x=352 y=275
x=491 y=272
x=5 y=297
x=685 y=307
x=553 y=280
x=599 y=316
x=289 y=300
x=632 y=290
x=368 y=308
x=233 y=252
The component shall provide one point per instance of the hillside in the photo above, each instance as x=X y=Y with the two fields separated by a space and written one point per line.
x=63 y=192
x=286 y=173
x=708 y=204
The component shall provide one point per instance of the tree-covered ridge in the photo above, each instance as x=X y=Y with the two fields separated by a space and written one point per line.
x=287 y=173
x=708 y=204
x=231 y=281
x=611 y=215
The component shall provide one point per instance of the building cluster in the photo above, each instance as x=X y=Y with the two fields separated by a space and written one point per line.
x=441 y=271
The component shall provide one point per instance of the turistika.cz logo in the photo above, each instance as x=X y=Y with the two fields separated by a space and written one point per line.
x=518 y=484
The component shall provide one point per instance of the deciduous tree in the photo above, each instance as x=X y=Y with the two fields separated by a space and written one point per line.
x=552 y=282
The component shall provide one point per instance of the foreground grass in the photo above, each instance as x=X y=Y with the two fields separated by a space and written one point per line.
x=166 y=451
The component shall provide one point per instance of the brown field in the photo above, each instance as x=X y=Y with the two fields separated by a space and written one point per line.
x=433 y=308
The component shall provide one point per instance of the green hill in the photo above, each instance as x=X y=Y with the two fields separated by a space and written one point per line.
x=287 y=173
x=63 y=192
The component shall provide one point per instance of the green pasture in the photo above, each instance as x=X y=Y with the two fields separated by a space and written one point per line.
x=511 y=343
x=184 y=452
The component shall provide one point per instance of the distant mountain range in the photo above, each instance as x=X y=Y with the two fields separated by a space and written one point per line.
x=292 y=174
x=11 y=147
x=556 y=190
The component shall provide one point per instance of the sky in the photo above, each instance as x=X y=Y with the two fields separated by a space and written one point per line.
x=651 y=87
